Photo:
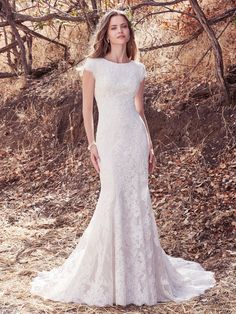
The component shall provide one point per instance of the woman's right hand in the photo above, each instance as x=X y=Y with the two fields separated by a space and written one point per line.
x=94 y=156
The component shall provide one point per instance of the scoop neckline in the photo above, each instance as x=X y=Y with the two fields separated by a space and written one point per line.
x=117 y=62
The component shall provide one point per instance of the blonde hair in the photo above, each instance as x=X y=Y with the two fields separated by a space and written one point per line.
x=100 y=47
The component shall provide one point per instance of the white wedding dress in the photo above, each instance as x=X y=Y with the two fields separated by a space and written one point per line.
x=119 y=259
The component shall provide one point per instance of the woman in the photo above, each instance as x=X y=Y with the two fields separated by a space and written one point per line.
x=119 y=259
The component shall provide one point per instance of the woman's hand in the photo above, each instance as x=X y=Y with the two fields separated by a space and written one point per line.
x=152 y=160
x=94 y=156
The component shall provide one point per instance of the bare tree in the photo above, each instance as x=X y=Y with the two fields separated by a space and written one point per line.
x=89 y=13
x=15 y=20
x=6 y=10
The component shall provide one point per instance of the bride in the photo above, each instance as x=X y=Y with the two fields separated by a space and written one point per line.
x=119 y=259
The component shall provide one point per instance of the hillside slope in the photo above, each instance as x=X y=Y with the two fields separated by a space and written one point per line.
x=49 y=189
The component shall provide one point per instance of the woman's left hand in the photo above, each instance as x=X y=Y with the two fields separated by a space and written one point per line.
x=152 y=160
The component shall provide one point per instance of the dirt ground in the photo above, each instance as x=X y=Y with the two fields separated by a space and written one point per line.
x=49 y=192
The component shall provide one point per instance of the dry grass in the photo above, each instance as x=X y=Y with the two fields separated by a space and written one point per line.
x=43 y=218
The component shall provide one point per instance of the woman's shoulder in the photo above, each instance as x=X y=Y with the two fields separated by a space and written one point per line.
x=93 y=59
x=139 y=63
x=89 y=63
x=96 y=60
x=142 y=68
x=90 y=60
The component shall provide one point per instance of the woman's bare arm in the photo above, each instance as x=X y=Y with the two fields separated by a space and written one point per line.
x=140 y=109
x=88 y=83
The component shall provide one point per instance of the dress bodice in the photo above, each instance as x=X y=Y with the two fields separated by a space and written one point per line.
x=115 y=82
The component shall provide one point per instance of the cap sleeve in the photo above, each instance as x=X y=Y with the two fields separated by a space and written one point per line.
x=143 y=72
x=88 y=64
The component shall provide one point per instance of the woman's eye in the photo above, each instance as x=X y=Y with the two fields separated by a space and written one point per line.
x=124 y=26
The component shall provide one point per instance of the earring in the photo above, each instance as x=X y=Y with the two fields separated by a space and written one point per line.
x=108 y=40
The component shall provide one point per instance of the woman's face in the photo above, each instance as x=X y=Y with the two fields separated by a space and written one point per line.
x=118 y=30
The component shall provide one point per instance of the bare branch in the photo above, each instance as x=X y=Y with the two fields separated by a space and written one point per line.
x=3 y=24
x=66 y=17
x=169 y=10
x=215 y=45
x=195 y=35
x=155 y=4
x=36 y=34
x=12 y=45
x=7 y=75
x=172 y=44
x=19 y=18
x=209 y=48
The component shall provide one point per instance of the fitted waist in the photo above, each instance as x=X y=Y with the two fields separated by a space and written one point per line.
x=118 y=115
x=109 y=131
x=117 y=109
x=114 y=123
x=114 y=100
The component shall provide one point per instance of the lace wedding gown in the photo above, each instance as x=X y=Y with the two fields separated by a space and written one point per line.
x=119 y=258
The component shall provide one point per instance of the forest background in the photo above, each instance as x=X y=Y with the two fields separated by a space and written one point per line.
x=48 y=187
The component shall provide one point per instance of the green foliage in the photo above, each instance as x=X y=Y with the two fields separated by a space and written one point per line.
x=74 y=12
x=39 y=25
x=234 y=22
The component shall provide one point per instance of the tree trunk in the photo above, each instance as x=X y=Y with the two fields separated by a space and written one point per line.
x=94 y=4
x=216 y=48
x=10 y=20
